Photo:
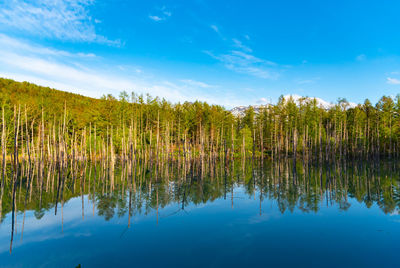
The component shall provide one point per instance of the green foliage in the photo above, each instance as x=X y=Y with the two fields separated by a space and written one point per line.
x=340 y=129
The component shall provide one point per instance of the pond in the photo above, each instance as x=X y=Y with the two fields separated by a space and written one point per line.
x=244 y=214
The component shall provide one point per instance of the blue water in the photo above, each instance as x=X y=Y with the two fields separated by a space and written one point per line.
x=237 y=229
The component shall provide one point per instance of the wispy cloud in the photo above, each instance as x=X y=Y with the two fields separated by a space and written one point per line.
x=361 y=57
x=58 y=19
x=194 y=83
x=240 y=45
x=155 y=18
x=93 y=76
x=239 y=58
x=246 y=63
x=302 y=82
x=262 y=101
x=308 y=81
x=18 y=45
x=215 y=28
x=163 y=14
x=392 y=81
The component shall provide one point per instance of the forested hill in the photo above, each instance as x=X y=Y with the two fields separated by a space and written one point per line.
x=82 y=111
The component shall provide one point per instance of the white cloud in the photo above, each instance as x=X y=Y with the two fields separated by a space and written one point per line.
x=155 y=18
x=241 y=60
x=215 y=28
x=163 y=16
x=255 y=71
x=59 y=19
x=194 y=83
x=392 y=81
x=361 y=57
x=92 y=76
x=16 y=45
x=302 y=82
x=262 y=101
x=63 y=76
x=165 y=11
x=240 y=45
x=308 y=81
x=245 y=63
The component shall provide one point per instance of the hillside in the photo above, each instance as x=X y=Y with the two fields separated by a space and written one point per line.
x=81 y=108
x=108 y=111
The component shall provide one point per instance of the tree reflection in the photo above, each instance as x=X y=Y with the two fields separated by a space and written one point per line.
x=306 y=188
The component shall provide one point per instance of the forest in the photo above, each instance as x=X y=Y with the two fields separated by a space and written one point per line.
x=44 y=122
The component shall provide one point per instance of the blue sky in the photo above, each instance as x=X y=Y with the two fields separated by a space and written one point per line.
x=224 y=52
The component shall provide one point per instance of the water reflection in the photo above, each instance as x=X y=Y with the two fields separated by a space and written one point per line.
x=166 y=190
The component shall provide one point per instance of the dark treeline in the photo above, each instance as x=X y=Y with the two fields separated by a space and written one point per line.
x=44 y=124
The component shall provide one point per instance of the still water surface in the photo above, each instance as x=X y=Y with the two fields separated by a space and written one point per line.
x=241 y=216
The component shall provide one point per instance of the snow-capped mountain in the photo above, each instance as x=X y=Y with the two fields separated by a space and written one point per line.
x=240 y=110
